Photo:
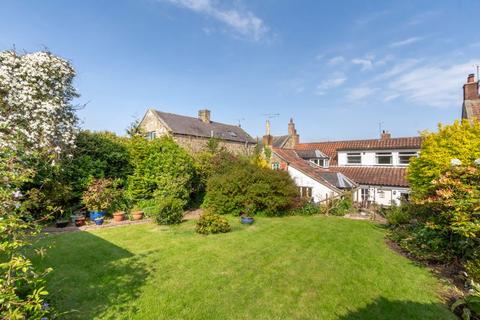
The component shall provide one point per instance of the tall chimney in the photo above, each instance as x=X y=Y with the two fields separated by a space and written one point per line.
x=470 y=89
x=267 y=139
x=292 y=132
x=385 y=135
x=204 y=115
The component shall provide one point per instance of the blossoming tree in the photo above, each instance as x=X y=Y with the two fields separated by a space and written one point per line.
x=37 y=122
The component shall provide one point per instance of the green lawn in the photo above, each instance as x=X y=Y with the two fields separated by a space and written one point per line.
x=279 y=268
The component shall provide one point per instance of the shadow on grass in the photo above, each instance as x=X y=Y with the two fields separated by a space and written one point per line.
x=92 y=277
x=385 y=309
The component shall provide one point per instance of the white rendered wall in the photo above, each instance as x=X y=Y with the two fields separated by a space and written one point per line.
x=319 y=191
x=369 y=159
x=390 y=195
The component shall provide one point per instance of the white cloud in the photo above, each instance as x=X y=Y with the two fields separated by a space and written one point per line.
x=336 y=80
x=405 y=42
x=421 y=18
x=360 y=93
x=242 y=22
x=336 y=60
x=366 y=63
x=432 y=85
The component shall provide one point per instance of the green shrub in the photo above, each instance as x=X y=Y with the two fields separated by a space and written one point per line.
x=397 y=215
x=160 y=169
x=165 y=210
x=243 y=187
x=340 y=207
x=306 y=209
x=212 y=223
x=472 y=267
x=97 y=155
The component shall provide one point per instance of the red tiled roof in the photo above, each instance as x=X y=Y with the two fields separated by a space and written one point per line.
x=378 y=176
x=374 y=176
x=330 y=148
x=290 y=156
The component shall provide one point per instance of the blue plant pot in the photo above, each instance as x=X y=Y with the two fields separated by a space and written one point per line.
x=247 y=220
x=96 y=214
x=99 y=222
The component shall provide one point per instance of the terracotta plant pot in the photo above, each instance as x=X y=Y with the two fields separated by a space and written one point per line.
x=137 y=215
x=119 y=216
x=79 y=221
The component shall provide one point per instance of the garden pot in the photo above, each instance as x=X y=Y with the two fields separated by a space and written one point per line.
x=96 y=214
x=119 y=216
x=99 y=221
x=137 y=215
x=247 y=220
x=79 y=221
x=61 y=223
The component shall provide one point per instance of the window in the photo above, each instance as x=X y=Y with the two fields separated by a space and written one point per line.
x=275 y=166
x=364 y=194
x=404 y=157
x=306 y=192
x=151 y=135
x=354 y=158
x=320 y=162
x=384 y=157
x=381 y=194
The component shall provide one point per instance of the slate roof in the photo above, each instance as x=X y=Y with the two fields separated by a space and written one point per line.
x=191 y=126
x=332 y=179
x=310 y=154
x=471 y=109
x=279 y=141
x=330 y=148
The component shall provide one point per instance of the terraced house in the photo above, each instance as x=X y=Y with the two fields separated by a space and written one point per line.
x=374 y=169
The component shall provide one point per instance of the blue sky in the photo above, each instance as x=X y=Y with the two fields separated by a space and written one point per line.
x=339 y=68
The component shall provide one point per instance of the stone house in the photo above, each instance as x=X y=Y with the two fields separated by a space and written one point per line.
x=193 y=133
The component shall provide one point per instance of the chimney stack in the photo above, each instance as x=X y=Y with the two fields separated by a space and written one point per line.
x=470 y=89
x=204 y=115
x=292 y=132
x=267 y=139
x=385 y=135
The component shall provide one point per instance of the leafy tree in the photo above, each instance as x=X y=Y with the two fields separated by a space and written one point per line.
x=160 y=169
x=460 y=140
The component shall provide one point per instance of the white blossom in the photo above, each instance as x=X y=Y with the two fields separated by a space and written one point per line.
x=36 y=92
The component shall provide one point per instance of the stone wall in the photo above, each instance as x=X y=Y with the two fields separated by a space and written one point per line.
x=197 y=144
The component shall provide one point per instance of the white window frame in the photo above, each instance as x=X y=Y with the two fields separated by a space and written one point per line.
x=151 y=135
x=409 y=154
x=275 y=166
x=383 y=155
x=306 y=192
x=354 y=154
x=321 y=162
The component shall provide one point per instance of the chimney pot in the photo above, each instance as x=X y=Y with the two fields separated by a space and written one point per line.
x=471 y=78
x=385 y=135
x=204 y=115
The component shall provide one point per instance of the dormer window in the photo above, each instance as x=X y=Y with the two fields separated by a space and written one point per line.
x=321 y=162
x=384 y=158
x=354 y=158
x=405 y=157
